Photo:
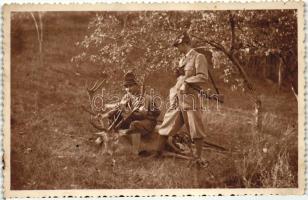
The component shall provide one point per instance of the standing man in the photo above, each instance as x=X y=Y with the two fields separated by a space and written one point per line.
x=186 y=102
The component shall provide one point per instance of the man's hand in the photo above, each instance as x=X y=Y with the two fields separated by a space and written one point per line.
x=123 y=102
x=140 y=113
x=184 y=87
x=178 y=71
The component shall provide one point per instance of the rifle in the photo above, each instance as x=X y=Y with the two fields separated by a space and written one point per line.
x=135 y=109
x=216 y=97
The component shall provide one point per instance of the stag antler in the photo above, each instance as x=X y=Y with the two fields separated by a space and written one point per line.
x=94 y=114
x=94 y=88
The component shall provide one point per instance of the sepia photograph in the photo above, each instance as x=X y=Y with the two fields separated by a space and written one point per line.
x=154 y=98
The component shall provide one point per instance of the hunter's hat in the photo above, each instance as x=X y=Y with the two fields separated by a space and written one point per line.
x=183 y=38
x=129 y=79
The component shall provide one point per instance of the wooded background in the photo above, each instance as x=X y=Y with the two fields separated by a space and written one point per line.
x=263 y=42
x=55 y=54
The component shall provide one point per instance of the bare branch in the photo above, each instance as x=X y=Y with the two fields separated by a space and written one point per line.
x=294 y=92
x=36 y=26
x=212 y=43
x=41 y=26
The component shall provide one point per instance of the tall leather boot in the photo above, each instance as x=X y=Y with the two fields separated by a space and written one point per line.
x=198 y=162
x=198 y=154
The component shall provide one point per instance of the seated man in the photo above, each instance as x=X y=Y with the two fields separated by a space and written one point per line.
x=136 y=115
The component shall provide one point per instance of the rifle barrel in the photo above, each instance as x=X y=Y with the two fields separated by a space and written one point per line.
x=212 y=80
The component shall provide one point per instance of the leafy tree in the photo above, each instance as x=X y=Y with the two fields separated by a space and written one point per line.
x=141 y=40
x=119 y=41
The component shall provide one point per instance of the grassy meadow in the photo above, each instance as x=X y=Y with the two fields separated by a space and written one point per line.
x=51 y=146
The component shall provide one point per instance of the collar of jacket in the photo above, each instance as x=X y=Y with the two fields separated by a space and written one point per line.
x=189 y=52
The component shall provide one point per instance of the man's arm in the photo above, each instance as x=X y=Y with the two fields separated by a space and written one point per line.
x=118 y=106
x=150 y=109
x=201 y=66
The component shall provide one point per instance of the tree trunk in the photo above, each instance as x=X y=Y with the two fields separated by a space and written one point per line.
x=39 y=30
x=258 y=115
x=253 y=96
x=264 y=67
x=41 y=39
x=256 y=100
x=279 y=74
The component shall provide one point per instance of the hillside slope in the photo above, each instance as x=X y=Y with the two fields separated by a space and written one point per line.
x=50 y=133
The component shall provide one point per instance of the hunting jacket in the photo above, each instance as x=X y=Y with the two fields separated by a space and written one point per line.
x=194 y=79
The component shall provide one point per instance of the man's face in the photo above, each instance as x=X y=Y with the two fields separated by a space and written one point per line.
x=181 y=48
x=133 y=89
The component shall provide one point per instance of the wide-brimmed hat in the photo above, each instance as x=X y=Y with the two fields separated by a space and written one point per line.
x=129 y=79
x=181 y=39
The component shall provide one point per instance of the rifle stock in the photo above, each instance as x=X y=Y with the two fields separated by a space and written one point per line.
x=218 y=97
